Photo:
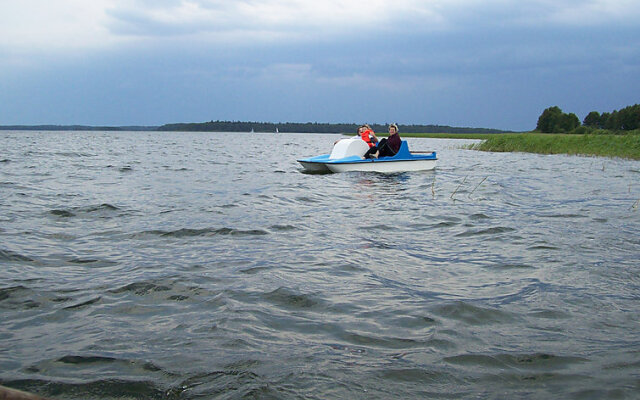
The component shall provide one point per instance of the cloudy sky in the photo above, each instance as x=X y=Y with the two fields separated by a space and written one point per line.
x=478 y=63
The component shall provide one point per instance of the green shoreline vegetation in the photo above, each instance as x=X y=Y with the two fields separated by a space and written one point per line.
x=608 y=145
x=615 y=134
x=600 y=145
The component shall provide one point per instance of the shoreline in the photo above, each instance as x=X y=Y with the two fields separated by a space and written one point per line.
x=626 y=146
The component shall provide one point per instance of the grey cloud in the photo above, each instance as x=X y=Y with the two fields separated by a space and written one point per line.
x=457 y=67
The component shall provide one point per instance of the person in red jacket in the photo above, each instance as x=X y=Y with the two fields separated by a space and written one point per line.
x=367 y=134
x=386 y=147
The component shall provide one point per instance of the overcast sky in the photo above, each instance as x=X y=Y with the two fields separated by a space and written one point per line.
x=476 y=63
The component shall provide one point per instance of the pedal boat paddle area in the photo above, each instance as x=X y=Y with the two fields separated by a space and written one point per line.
x=347 y=155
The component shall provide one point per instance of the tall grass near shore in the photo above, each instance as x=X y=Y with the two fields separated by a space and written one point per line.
x=623 y=146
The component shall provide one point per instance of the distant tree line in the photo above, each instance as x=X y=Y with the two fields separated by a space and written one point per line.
x=239 y=126
x=75 y=128
x=311 y=127
x=553 y=120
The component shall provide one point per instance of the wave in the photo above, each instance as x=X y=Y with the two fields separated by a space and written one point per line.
x=127 y=363
x=110 y=388
x=291 y=299
x=284 y=227
x=189 y=232
x=253 y=270
x=103 y=210
x=73 y=154
x=549 y=314
x=562 y=216
x=84 y=303
x=20 y=298
x=93 y=261
x=478 y=217
x=472 y=314
x=419 y=375
x=513 y=266
x=543 y=247
x=542 y=361
x=8 y=255
x=395 y=343
x=101 y=207
x=489 y=231
x=7 y=292
x=62 y=213
x=228 y=383
x=172 y=290
x=141 y=288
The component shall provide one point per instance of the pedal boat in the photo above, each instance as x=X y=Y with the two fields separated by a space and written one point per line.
x=347 y=155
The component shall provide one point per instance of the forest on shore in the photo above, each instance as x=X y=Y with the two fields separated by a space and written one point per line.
x=554 y=120
x=311 y=127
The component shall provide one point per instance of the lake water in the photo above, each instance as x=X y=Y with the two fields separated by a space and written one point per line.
x=207 y=265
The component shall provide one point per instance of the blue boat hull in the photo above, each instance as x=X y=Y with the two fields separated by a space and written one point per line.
x=403 y=161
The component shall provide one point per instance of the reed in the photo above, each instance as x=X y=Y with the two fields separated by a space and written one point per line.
x=623 y=146
x=478 y=185
x=433 y=186
x=456 y=191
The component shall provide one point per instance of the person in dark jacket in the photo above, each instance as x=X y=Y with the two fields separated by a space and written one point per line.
x=387 y=147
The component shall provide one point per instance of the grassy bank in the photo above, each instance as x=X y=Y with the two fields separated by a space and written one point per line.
x=448 y=135
x=623 y=146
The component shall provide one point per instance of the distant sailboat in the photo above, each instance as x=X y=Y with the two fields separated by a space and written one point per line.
x=251 y=131
x=277 y=131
